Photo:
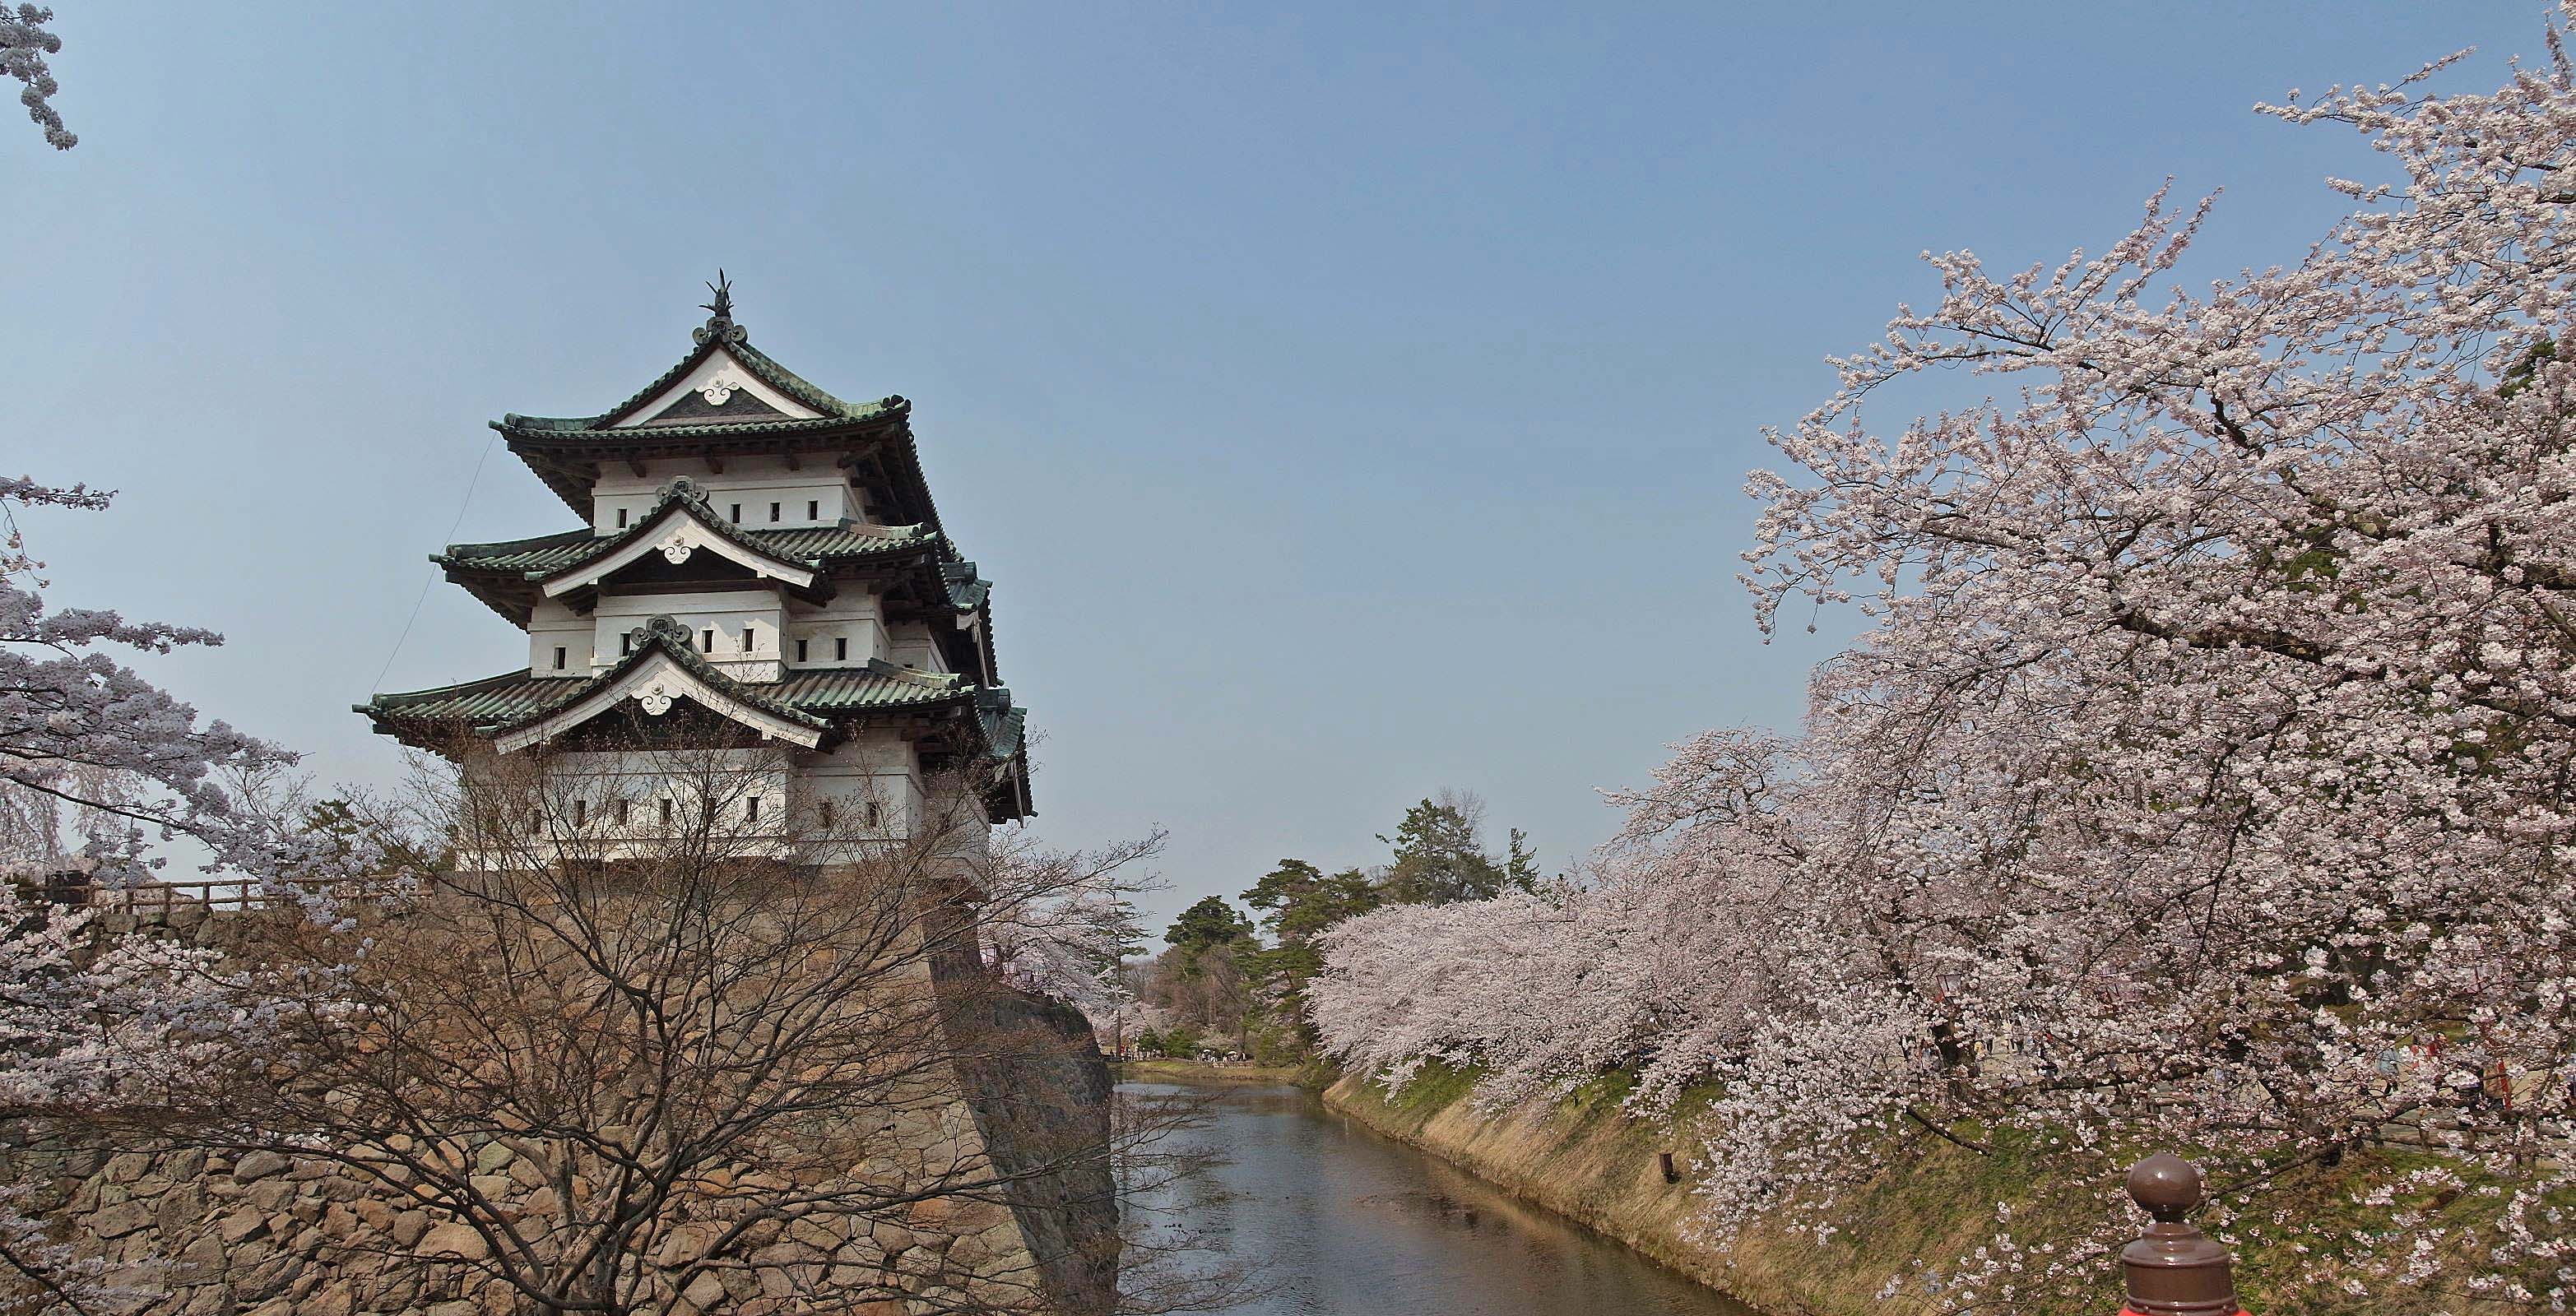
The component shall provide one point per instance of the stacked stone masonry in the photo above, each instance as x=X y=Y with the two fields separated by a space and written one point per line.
x=269 y=1234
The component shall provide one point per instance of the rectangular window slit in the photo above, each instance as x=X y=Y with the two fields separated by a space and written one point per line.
x=621 y=518
x=840 y=648
x=707 y=642
x=559 y=658
x=666 y=813
x=621 y=812
x=826 y=812
x=580 y=812
x=746 y=639
x=800 y=650
x=873 y=813
x=737 y=514
x=626 y=644
x=751 y=809
x=773 y=511
x=813 y=511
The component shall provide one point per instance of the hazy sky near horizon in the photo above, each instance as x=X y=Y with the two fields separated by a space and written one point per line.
x=1348 y=402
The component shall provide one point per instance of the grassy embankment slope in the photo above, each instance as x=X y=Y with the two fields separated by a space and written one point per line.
x=1581 y=1158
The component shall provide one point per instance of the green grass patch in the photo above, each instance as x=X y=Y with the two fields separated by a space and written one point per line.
x=1434 y=1088
x=1599 y=1097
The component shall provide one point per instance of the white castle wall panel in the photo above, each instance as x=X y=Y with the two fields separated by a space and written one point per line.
x=752 y=483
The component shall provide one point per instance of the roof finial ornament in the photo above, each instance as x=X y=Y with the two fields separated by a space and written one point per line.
x=720 y=325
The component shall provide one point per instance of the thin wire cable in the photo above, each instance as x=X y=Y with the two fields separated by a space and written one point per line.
x=470 y=482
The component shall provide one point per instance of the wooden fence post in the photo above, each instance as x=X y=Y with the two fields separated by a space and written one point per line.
x=2174 y=1269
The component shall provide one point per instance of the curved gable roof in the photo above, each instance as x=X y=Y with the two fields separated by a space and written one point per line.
x=653 y=532
x=663 y=670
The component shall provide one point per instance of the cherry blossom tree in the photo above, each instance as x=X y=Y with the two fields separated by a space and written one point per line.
x=88 y=743
x=92 y=1020
x=1074 y=944
x=24 y=43
x=2201 y=778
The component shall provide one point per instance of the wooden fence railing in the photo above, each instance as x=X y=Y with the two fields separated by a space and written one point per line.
x=163 y=898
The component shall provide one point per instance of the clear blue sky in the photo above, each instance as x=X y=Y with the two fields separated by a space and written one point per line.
x=1348 y=402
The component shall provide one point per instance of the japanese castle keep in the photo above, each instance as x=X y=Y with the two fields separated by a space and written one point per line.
x=765 y=557
x=763 y=582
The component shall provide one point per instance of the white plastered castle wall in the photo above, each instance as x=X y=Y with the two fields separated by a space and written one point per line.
x=855 y=615
x=873 y=768
x=913 y=647
x=816 y=495
x=644 y=779
x=553 y=626
x=728 y=613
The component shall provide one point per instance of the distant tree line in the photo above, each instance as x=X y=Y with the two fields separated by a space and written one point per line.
x=1232 y=984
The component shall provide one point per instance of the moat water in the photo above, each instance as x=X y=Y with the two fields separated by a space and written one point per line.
x=1337 y=1220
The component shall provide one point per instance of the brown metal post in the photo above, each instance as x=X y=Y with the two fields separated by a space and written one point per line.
x=2174 y=1269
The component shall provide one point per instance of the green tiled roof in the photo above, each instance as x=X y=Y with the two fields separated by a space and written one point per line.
x=565 y=450
x=542 y=554
x=815 y=696
x=813 y=545
x=823 y=544
x=586 y=426
x=880 y=684
x=1005 y=725
x=493 y=701
x=810 y=694
x=966 y=590
x=725 y=336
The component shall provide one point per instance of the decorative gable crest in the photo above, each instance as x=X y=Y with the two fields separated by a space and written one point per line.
x=662 y=671
x=718 y=390
x=678 y=526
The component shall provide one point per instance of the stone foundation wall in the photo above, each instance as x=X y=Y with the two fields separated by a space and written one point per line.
x=1040 y=1091
x=269 y=1234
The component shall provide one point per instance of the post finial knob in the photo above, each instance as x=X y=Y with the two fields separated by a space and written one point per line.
x=2165 y=1186
x=2173 y=1269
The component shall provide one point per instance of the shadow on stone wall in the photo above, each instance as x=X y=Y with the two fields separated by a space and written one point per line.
x=1040 y=1093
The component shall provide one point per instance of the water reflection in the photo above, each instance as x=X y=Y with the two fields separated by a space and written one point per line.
x=1345 y=1222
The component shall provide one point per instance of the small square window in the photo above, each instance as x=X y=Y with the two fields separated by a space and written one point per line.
x=813 y=511
x=840 y=648
x=800 y=651
x=621 y=518
x=773 y=511
x=559 y=658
